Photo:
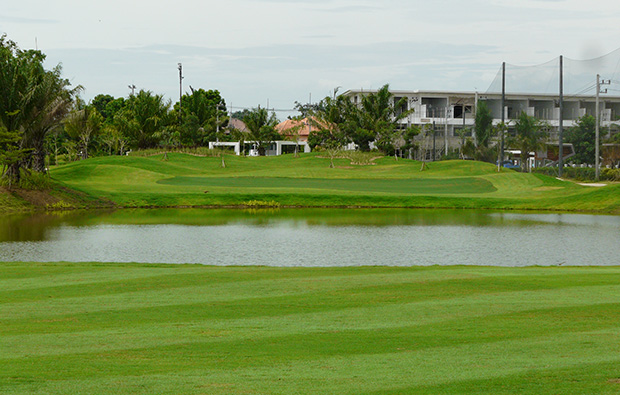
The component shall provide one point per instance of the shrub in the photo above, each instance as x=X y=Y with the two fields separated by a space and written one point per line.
x=261 y=204
x=580 y=173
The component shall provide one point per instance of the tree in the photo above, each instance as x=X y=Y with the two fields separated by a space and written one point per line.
x=306 y=109
x=483 y=125
x=378 y=119
x=10 y=153
x=583 y=138
x=100 y=103
x=409 y=138
x=33 y=102
x=146 y=115
x=294 y=133
x=530 y=136
x=82 y=124
x=261 y=127
x=331 y=122
x=204 y=117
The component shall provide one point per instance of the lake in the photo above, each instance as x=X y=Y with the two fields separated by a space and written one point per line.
x=313 y=237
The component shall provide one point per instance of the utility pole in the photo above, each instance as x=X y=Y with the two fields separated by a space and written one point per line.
x=180 y=91
x=503 y=120
x=561 y=121
x=597 y=127
x=434 y=141
x=475 y=109
x=445 y=134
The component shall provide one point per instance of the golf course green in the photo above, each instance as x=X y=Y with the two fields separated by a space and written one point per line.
x=307 y=181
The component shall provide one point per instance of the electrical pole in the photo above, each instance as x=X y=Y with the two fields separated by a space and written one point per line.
x=561 y=121
x=434 y=141
x=597 y=127
x=445 y=134
x=180 y=91
x=501 y=145
x=475 y=109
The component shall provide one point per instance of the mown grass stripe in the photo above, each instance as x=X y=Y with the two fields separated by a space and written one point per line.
x=336 y=330
x=263 y=371
x=380 y=331
x=296 y=291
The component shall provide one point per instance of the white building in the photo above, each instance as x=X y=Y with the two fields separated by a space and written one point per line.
x=275 y=148
x=449 y=112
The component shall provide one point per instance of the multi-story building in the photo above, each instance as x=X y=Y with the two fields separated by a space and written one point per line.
x=449 y=113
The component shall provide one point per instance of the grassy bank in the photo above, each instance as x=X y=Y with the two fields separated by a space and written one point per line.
x=163 y=329
x=56 y=197
x=185 y=180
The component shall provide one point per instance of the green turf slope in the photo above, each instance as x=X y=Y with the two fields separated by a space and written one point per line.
x=186 y=180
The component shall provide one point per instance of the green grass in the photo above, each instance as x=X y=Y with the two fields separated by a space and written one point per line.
x=84 y=328
x=307 y=181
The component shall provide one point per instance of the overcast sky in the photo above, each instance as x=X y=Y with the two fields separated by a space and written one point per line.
x=283 y=51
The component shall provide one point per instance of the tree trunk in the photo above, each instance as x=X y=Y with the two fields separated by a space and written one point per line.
x=38 y=161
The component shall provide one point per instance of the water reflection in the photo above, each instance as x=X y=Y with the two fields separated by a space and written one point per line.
x=312 y=237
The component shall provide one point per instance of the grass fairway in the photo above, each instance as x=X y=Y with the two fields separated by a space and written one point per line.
x=165 y=329
x=185 y=180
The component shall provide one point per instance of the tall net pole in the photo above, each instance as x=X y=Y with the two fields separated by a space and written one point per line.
x=561 y=121
x=500 y=155
x=180 y=91
x=597 y=120
x=501 y=147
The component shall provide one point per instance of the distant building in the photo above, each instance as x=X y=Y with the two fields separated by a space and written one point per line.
x=450 y=112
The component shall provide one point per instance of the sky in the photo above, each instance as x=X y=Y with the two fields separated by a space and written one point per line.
x=277 y=52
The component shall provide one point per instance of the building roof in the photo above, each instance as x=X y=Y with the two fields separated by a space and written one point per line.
x=294 y=127
x=238 y=124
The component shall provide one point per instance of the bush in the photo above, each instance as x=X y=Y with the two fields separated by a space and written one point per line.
x=361 y=158
x=197 y=151
x=30 y=180
x=610 y=174
x=580 y=173
x=35 y=180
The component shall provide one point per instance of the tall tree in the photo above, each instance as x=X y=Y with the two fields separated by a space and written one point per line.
x=146 y=115
x=378 y=119
x=583 y=138
x=82 y=124
x=331 y=123
x=530 y=137
x=483 y=125
x=203 y=116
x=261 y=126
x=33 y=101
x=100 y=103
x=10 y=153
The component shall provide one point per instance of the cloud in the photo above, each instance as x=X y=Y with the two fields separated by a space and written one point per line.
x=281 y=73
x=25 y=20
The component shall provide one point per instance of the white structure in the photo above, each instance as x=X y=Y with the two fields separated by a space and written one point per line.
x=449 y=112
x=276 y=148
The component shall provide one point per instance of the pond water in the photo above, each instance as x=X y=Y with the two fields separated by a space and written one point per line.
x=317 y=237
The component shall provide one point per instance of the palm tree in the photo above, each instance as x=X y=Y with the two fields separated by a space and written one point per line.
x=530 y=136
x=378 y=118
x=261 y=127
x=147 y=114
x=82 y=124
x=33 y=102
x=331 y=123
